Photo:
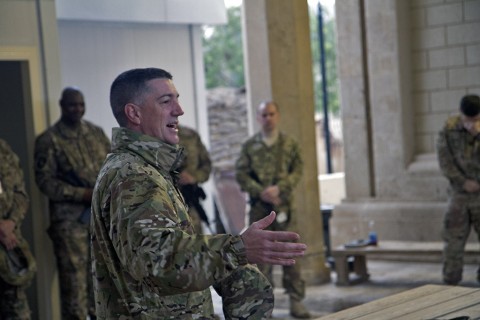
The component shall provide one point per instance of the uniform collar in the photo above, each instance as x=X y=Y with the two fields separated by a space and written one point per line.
x=70 y=132
x=154 y=151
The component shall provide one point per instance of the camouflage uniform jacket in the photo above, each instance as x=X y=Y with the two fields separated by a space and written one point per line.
x=458 y=154
x=13 y=197
x=147 y=261
x=66 y=163
x=260 y=166
x=197 y=160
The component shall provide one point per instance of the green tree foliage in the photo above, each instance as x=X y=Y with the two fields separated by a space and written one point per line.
x=223 y=52
x=330 y=61
x=223 y=56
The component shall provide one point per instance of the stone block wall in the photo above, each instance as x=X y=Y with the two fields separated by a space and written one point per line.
x=446 y=62
x=404 y=66
x=228 y=125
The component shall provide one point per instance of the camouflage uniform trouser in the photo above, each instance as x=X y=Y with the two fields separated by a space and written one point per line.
x=13 y=302
x=246 y=294
x=291 y=278
x=71 y=241
x=463 y=212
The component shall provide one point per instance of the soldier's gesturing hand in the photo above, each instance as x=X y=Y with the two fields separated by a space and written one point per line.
x=273 y=247
x=7 y=236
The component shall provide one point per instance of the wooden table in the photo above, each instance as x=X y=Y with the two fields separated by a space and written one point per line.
x=426 y=302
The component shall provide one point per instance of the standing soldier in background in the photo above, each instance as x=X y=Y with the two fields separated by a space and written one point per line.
x=195 y=169
x=68 y=157
x=458 y=149
x=14 y=278
x=269 y=167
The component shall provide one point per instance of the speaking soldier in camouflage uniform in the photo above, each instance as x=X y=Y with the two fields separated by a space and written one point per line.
x=458 y=148
x=68 y=157
x=17 y=265
x=195 y=169
x=148 y=262
x=268 y=169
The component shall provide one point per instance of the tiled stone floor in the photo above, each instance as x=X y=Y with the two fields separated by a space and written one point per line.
x=386 y=278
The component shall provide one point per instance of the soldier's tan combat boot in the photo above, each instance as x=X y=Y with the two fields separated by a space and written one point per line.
x=298 y=309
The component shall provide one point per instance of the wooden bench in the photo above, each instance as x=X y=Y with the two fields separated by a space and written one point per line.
x=431 y=250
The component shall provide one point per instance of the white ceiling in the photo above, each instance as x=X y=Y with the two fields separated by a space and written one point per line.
x=147 y=11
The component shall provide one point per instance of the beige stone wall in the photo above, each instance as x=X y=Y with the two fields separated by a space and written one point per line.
x=446 y=62
x=403 y=67
x=228 y=126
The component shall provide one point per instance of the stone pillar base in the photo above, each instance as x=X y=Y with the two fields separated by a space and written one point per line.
x=396 y=220
x=315 y=270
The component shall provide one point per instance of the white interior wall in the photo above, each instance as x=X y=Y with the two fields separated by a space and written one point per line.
x=100 y=39
x=93 y=54
x=156 y=11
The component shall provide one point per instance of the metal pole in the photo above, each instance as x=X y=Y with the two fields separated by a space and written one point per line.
x=326 y=125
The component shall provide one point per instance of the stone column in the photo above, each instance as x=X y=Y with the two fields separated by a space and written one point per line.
x=351 y=57
x=279 y=66
x=383 y=47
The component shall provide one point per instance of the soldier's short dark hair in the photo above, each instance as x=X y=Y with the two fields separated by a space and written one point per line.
x=470 y=105
x=129 y=87
x=68 y=92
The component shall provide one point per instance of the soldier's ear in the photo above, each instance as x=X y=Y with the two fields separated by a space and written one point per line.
x=133 y=113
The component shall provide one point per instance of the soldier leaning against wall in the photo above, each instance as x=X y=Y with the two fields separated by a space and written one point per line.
x=17 y=264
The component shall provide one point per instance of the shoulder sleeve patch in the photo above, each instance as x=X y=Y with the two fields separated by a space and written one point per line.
x=453 y=122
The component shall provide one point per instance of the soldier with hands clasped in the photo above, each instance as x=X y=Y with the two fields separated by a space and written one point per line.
x=17 y=264
x=68 y=156
x=268 y=169
x=458 y=149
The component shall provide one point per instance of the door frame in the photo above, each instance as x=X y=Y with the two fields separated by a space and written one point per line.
x=46 y=280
